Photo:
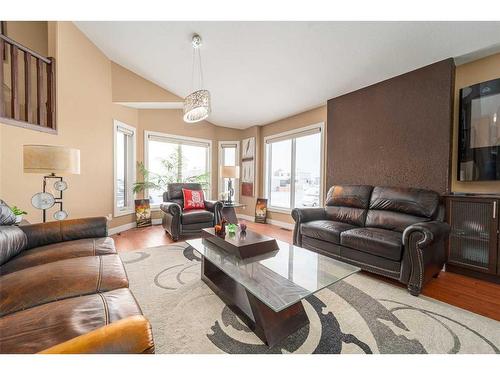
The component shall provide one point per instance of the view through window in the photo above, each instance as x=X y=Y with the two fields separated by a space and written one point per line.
x=124 y=168
x=294 y=170
x=171 y=159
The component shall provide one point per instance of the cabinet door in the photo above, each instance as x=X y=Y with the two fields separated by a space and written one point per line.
x=474 y=235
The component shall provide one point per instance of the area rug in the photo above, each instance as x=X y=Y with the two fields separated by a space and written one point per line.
x=360 y=314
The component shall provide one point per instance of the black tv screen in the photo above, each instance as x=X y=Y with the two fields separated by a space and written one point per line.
x=479 y=132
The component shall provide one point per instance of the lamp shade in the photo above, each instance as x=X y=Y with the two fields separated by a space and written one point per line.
x=230 y=172
x=51 y=159
x=197 y=106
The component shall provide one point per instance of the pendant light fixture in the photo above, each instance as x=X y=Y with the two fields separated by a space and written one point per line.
x=197 y=104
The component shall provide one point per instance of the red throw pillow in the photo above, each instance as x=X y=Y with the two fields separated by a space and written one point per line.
x=193 y=199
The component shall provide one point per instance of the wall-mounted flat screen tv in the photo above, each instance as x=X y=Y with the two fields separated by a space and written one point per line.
x=479 y=132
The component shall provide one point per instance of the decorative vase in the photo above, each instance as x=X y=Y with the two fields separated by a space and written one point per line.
x=243 y=227
x=19 y=218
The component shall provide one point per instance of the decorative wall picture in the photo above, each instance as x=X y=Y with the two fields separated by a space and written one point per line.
x=248 y=167
x=142 y=213
x=261 y=210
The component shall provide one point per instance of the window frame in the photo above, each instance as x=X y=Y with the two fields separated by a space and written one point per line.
x=148 y=133
x=131 y=170
x=292 y=134
x=220 y=180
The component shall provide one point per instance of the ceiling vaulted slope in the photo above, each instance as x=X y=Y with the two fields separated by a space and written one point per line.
x=259 y=72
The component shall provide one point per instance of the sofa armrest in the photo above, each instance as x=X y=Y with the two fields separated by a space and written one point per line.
x=171 y=208
x=216 y=208
x=65 y=230
x=131 y=335
x=425 y=252
x=303 y=215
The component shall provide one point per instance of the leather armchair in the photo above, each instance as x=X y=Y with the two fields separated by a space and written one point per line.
x=178 y=222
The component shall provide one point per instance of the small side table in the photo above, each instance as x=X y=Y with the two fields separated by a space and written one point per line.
x=229 y=213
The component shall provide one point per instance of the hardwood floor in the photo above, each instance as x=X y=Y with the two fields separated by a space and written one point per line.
x=478 y=296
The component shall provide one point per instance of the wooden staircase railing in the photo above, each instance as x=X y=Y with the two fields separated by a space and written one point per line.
x=18 y=103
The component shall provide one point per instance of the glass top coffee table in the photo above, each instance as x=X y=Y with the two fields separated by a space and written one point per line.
x=266 y=291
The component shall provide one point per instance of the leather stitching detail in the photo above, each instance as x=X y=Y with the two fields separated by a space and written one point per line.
x=99 y=276
x=106 y=309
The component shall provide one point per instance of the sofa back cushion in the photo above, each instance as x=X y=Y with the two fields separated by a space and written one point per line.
x=7 y=217
x=12 y=242
x=396 y=208
x=174 y=192
x=348 y=203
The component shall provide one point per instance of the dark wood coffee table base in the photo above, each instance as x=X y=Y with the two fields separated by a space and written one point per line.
x=270 y=326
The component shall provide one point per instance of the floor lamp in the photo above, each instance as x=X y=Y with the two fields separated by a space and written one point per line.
x=51 y=161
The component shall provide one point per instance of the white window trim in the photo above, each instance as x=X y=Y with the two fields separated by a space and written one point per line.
x=147 y=133
x=290 y=134
x=220 y=180
x=130 y=209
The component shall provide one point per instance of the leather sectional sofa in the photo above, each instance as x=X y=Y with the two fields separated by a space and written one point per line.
x=394 y=232
x=63 y=289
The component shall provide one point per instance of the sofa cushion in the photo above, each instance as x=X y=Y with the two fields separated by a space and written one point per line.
x=348 y=203
x=410 y=201
x=58 y=280
x=7 y=217
x=325 y=230
x=391 y=220
x=357 y=196
x=174 y=190
x=196 y=216
x=12 y=242
x=376 y=241
x=59 y=251
x=39 y=328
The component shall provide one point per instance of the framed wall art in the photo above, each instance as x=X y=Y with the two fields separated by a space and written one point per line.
x=248 y=167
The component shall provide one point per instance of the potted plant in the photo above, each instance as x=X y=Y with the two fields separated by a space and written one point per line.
x=19 y=214
x=169 y=173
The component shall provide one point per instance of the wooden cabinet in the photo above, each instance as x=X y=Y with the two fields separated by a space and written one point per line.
x=473 y=246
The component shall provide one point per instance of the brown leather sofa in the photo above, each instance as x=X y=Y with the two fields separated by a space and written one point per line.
x=63 y=289
x=178 y=222
x=394 y=232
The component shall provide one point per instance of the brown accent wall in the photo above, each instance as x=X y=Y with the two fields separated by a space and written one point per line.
x=396 y=132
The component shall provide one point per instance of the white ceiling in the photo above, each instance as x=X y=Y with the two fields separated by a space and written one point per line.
x=259 y=72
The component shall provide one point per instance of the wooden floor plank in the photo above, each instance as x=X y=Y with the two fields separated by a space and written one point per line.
x=478 y=296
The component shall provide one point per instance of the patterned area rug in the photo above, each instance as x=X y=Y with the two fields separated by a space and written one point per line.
x=358 y=315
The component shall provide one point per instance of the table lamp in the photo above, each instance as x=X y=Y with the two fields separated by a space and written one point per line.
x=230 y=172
x=51 y=161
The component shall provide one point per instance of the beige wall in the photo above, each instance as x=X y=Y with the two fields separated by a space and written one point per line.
x=31 y=34
x=130 y=87
x=469 y=74
x=84 y=122
x=87 y=83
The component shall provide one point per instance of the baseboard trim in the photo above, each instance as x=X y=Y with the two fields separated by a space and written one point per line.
x=124 y=227
x=278 y=223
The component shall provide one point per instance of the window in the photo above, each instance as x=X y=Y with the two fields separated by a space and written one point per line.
x=294 y=167
x=124 y=169
x=172 y=158
x=229 y=155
